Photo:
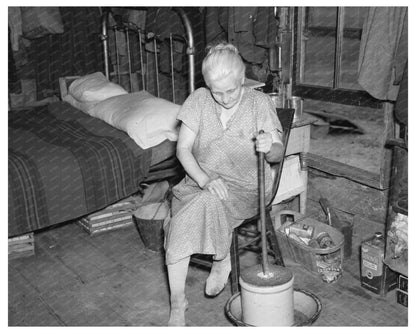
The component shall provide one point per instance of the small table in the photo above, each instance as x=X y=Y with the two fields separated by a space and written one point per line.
x=294 y=179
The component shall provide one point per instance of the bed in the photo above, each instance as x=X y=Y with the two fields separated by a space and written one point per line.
x=64 y=163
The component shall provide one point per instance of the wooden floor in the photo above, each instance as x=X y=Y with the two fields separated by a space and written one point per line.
x=113 y=280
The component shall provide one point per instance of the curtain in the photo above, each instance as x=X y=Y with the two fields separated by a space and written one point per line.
x=383 y=51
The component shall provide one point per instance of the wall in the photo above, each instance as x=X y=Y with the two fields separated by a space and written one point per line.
x=74 y=52
x=363 y=206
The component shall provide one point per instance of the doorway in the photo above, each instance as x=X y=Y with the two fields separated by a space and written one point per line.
x=325 y=54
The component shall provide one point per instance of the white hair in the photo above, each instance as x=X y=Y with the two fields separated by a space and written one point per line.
x=222 y=60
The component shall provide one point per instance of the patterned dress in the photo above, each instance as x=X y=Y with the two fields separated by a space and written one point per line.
x=201 y=222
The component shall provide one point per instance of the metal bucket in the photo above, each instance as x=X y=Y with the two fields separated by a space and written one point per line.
x=307 y=308
x=297 y=104
x=149 y=220
x=277 y=99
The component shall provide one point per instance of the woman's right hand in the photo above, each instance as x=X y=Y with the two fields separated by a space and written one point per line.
x=218 y=187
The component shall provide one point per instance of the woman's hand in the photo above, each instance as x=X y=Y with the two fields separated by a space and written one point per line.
x=218 y=187
x=264 y=142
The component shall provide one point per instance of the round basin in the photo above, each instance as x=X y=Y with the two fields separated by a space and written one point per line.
x=307 y=308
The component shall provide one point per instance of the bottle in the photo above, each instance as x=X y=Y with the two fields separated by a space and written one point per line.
x=375 y=275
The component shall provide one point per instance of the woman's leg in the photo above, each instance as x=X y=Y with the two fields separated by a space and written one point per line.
x=177 y=273
x=218 y=277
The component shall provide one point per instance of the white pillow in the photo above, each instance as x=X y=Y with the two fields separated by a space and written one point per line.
x=94 y=88
x=148 y=120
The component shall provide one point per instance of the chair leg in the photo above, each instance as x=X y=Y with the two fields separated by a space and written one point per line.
x=235 y=264
x=273 y=240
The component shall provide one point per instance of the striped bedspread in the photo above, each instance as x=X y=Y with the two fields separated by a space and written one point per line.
x=64 y=164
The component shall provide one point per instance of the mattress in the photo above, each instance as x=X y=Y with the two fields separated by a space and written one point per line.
x=64 y=164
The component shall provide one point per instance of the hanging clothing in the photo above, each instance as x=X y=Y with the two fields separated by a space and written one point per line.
x=15 y=26
x=178 y=48
x=114 y=35
x=41 y=21
x=75 y=52
x=265 y=28
x=251 y=29
x=383 y=51
x=163 y=22
x=201 y=222
x=216 y=19
x=401 y=105
x=13 y=83
x=240 y=33
x=137 y=18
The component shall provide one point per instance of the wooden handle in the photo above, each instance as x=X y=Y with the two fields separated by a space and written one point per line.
x=262 y=206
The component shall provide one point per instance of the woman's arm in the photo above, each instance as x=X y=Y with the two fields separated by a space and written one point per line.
x=271 y=145
x=275 y=154
x=184 y=146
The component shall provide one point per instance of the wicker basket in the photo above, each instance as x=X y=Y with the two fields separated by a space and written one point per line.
x=303 y=254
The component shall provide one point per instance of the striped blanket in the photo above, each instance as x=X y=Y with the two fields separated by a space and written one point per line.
x=64 y=164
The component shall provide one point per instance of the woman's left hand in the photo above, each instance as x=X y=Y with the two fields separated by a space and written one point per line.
x=264 y=142
x=218 y=187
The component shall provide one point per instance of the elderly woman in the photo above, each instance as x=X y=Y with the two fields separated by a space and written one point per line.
x=217 y=146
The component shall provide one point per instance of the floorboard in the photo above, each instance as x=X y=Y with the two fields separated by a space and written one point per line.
x=75 y=279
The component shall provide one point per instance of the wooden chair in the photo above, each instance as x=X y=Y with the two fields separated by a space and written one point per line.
x=286 y=120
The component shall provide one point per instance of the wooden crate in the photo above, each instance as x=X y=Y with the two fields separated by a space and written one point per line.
x=22 y=246
x=94 y=227
x=113 y=217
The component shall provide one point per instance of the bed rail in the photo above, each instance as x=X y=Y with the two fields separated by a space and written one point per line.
x=137 y=74
x=190 y=51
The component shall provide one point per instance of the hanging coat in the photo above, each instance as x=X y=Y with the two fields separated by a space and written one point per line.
x=251 y=29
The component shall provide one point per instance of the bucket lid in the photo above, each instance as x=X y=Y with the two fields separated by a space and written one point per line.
x=278 y=275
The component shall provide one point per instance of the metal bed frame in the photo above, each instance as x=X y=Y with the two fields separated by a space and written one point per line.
x=129 y=28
